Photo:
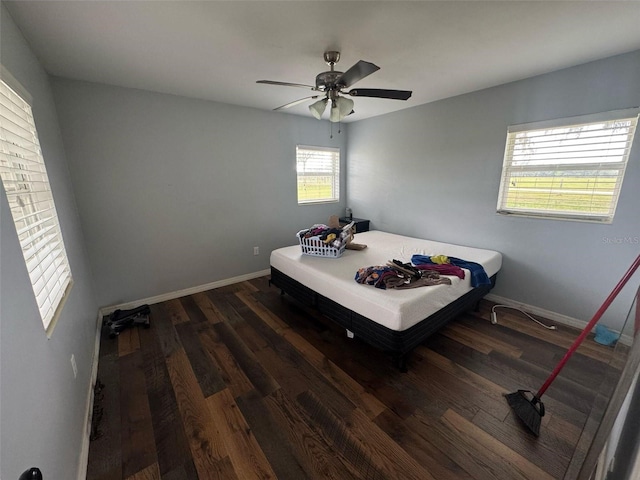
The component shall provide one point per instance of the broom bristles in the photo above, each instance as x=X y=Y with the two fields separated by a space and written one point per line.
x=526 y=409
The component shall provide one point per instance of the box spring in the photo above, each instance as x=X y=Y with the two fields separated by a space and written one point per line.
x=397 y=343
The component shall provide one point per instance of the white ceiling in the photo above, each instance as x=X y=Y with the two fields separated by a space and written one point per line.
x=216 y=50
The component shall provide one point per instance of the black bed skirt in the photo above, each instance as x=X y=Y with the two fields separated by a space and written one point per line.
x=398 y=343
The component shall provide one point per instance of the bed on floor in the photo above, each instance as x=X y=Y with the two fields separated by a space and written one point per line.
x=395 y=321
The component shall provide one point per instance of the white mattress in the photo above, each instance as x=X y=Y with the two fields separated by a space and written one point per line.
x=395 y=309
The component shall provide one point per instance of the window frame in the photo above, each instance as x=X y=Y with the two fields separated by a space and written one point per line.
x=28 y=191
x=334 y=173
x=602 y=170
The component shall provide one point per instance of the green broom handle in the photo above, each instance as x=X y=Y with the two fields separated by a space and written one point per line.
x=589 y=327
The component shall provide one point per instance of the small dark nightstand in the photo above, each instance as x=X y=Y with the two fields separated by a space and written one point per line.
x=361 y=224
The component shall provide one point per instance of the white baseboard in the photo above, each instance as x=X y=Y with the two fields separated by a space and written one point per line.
x=88 y=417
x=182 y=293
x=548 y=314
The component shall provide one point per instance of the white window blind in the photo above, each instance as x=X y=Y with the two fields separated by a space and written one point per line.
x=568 y=169
x=25 y=180
x=318 y=174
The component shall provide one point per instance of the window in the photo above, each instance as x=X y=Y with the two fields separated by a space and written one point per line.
x=318 y=174
x=25 y=180
x=567 y=169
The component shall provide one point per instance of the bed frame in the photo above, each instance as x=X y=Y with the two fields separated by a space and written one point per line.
x=398 y=344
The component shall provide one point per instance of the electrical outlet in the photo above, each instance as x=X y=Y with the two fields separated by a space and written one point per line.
x=256 y=250
x=74 y=366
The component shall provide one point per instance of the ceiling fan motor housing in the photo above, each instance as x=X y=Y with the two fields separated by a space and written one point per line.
x=331 y=57
x=327 y=80
x=332 y=84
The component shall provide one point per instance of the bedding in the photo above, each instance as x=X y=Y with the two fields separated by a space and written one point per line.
x=394 y=320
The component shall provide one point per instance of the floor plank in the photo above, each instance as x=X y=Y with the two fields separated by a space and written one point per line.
x=128 y=342
x=171 y=443
x=240 y=382
x=138 y=443
x=420 y=447
x=269 y=435
x=317 y=458
x=207 y=448
x=347 y=385
x=473 y=336
x=176 y=311
x=152 y=472
x=250 y=365
x=208 y=308
x=476 y=438
x=202 y=364
x=551 y=453
x=230 y=371
x=246 y=456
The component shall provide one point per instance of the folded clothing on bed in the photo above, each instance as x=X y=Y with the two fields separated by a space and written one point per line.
x=390 y=277
x=444 y=269
x=478 y=274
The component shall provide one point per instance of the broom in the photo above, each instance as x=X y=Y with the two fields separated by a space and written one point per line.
x=528 y=406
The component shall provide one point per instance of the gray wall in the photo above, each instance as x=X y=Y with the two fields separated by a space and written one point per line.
x=42 y=406
x=433 y=171
x=175 y=192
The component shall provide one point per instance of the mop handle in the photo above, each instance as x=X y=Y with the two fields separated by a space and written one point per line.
x=589 y=327
x=637 y=324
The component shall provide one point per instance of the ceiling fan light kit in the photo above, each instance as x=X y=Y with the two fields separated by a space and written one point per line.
x=317 y=108
x=332 y=83
x=334 y=115
x=340 y=108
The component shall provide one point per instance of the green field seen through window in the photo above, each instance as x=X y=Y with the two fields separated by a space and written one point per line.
x=315 y=189
x=561 y=193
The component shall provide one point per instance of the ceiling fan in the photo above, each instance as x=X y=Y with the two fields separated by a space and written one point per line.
x=332 y=84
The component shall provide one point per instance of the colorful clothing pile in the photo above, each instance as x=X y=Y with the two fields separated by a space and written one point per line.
x=374 y=275
x=444 y=269
x=333 y=237
x=398 y=275
x=478 y=275
x=425 y=271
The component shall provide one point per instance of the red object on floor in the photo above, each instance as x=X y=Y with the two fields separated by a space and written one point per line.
x=591 y=324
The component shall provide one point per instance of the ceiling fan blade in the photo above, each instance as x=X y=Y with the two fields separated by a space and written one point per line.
x=380 y=93
x=297 y=102
x=357 y=72
x=286 y=84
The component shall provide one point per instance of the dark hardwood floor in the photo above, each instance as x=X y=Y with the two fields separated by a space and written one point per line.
x=240 y=383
